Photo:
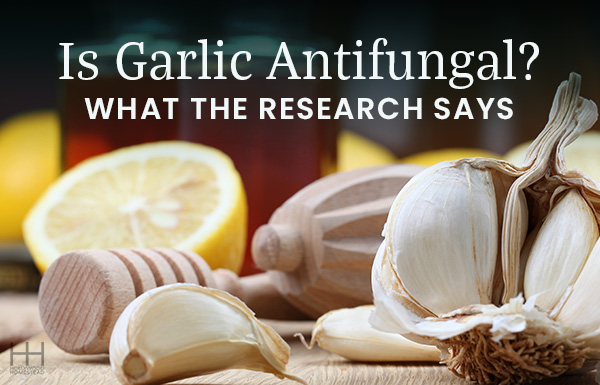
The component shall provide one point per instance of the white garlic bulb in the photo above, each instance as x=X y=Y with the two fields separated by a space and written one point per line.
x=497 y=264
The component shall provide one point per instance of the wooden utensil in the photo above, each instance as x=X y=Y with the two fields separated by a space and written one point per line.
x=83 y=292
x=318 y=247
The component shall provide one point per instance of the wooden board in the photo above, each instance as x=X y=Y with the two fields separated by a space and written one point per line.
x=315 y=366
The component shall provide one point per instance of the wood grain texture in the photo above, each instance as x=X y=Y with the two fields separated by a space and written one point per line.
x=184 y=271
x=201 y=267
x=81 y=296
x=143 y=278
x=320 y=244
x=316 y=366
x=161 y=269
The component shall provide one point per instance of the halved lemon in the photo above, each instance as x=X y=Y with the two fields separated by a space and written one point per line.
x=163 y=194
x=356 y=151
x=29 y=163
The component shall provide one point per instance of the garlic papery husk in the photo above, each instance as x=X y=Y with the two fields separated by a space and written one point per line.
x=348 y=333
x=184 y=330
x=495 y=263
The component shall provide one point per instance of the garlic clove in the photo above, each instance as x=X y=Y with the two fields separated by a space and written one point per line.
x=447 y=239
x=184 y=330
x=395 y=310
x=560 y=249
x=348 y=333
x=580 y=311
x=525 y=251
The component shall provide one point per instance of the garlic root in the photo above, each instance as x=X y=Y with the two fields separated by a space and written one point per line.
x=184 y=330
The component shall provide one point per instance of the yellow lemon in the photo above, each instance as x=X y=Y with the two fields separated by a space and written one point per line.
x=583 y=154
x=29 y=162
x=429 y=158
x=356 y=151
x=163 y=194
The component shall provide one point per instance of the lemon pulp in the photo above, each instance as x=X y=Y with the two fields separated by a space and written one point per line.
x=164 y=194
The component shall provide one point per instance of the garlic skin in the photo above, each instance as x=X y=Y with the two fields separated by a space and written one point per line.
x=469 y=191
x=502 y=282
x=579 y=310
x=348 y=333
x=184 y=330
x=557 y=256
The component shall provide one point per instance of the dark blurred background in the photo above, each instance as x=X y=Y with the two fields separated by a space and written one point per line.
x=569 y=40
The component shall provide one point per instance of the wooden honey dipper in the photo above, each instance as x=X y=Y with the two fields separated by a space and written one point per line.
x=83 y=292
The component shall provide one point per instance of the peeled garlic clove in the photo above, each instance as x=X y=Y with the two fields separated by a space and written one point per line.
x=560 y=249
x=447 y=240
x=184 y=330
x=348 y=333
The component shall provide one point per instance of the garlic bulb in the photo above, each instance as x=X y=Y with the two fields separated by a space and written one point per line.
x=184 y=330
x=497 y=264
x=347 y=333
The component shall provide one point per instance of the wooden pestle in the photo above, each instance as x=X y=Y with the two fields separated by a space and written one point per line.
x=318 y=247
x=83 y=292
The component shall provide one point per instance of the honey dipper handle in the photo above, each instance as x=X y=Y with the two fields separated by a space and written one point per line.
x=228 y=281
x=277 y=247
x=259 y=294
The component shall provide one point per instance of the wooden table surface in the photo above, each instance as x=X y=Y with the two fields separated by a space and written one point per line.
x=19 y=318
x=315 y=366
